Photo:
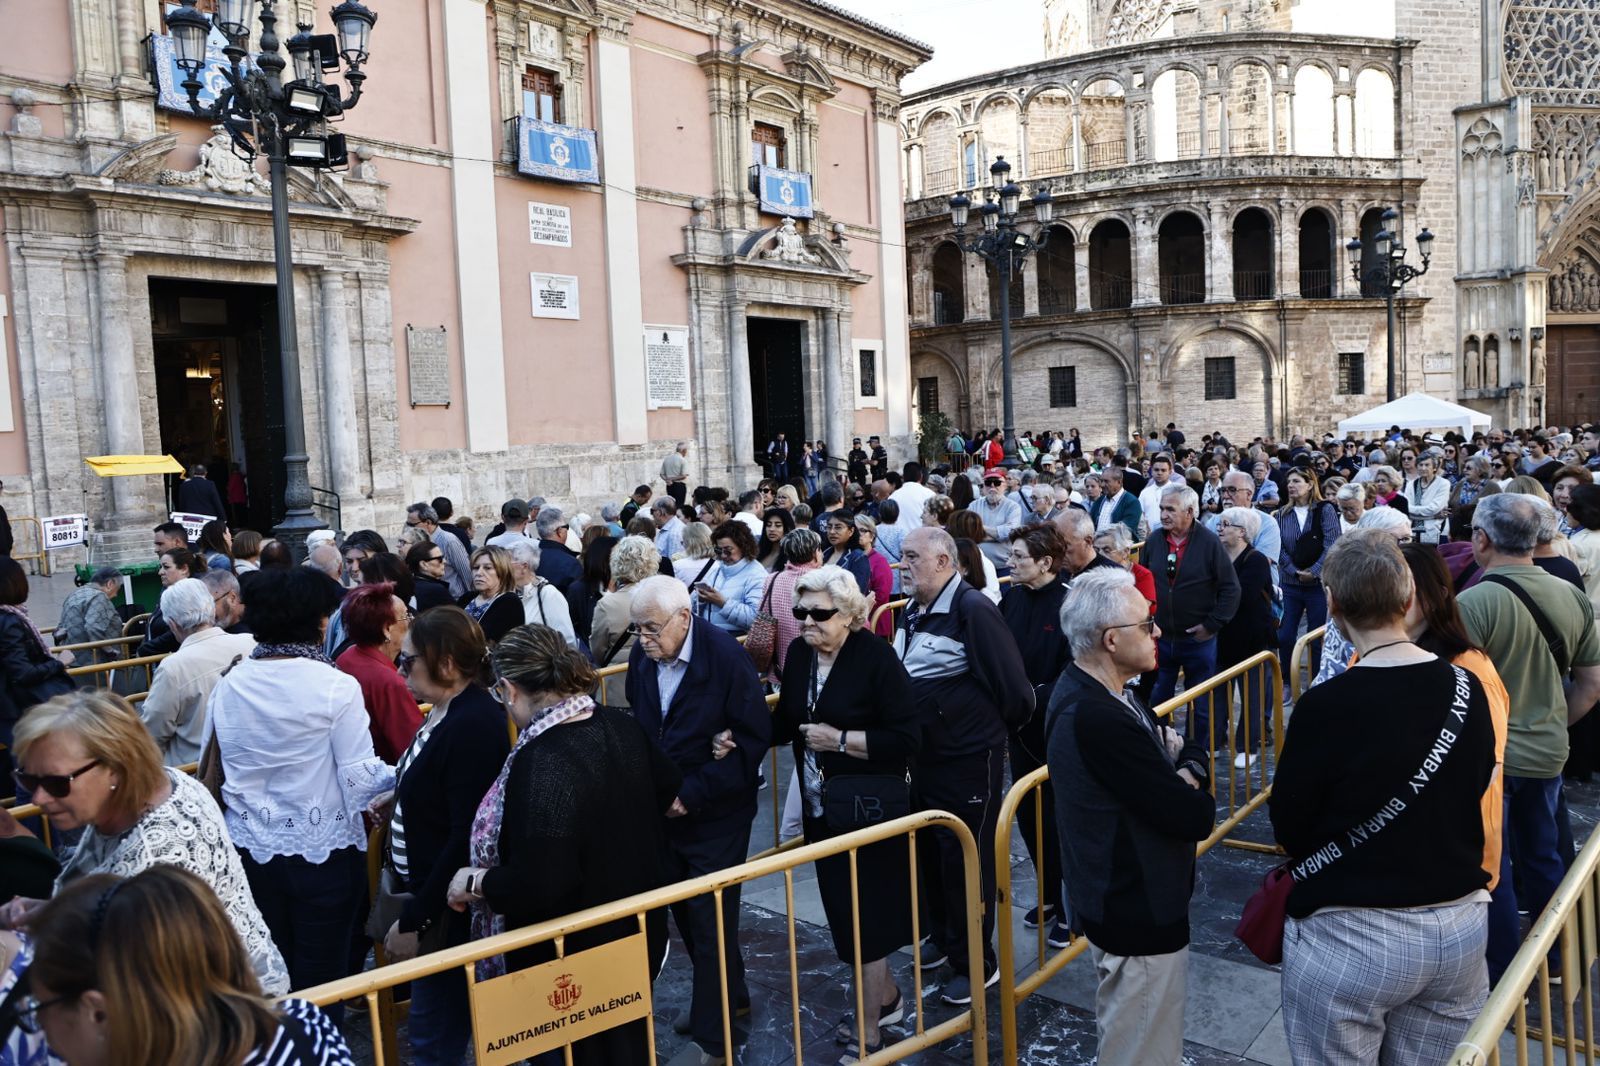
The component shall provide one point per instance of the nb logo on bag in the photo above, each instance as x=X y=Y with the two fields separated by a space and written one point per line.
x=869 y=809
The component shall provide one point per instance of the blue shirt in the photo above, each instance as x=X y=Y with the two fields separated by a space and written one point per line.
x=669 y=674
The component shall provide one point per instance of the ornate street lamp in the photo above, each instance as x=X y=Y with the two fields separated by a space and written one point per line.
x=286 y=122
x=1390 y=271
x=1005 y=245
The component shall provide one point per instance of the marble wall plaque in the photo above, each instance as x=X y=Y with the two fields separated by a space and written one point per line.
x=428 y=363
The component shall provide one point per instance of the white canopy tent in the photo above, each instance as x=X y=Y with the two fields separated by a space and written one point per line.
x=1416 y=411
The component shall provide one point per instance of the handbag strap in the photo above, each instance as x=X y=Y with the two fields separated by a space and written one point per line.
x=1557 y=644
x=1438 y=752
x=702 y=573
x=766 y=598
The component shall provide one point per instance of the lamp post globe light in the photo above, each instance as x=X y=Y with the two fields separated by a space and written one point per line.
x=1389 y=271
x=286 y=121
x=1005 y=244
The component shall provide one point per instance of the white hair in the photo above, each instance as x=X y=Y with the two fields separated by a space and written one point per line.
x=840 y=587
x=661 y=593
x=327 y=558
x=1387 y=519
x=1184 y=496
x=1351 y=490
x=1246 y=518
x=526 y=551
x=634 y=559
x=1239 y=477
x=188 y=605
x=1094 y=601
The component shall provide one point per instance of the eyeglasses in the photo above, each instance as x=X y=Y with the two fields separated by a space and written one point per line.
x=434 y=559
x=495 y=691
x=821 y=614
x=28 y=1012
x=57 y=785
x=402 y=662
x=648 y=629
x=725 y=553
x=1147 y=624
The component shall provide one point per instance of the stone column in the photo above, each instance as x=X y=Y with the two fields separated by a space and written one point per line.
x=1080 y=271
x=977 y=288
x=833 y=427
x=1288 y=279
x=1030 y=285
x=1146 y=261
x=119 y=384
x=1219 y=261
x=338 y=389
x=741 y=405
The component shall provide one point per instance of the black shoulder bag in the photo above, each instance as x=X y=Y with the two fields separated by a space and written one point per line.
x=856 y=801
x=1308 y=546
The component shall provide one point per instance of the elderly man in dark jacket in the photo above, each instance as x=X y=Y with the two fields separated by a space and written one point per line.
x=1197 y=593
x=688 y=681
x=1131 y=803
x=972 y=685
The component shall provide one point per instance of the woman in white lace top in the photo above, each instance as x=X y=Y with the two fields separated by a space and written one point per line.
x=89 y=761
x=298 y=770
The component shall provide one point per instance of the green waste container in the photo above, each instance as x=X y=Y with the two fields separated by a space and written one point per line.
x=144 y=578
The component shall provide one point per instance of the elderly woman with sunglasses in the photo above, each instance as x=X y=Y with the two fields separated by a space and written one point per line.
x=846 y=708
x=88 y=761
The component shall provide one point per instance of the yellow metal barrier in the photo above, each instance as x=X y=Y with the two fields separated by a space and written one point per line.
x=373 y=983
x=99 y=670
x=96 y=645
x=1012 y=990
x=38 y=553
x=1566 y=1009
x=1302 y=654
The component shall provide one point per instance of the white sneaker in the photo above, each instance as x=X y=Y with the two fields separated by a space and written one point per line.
x=1239 y=761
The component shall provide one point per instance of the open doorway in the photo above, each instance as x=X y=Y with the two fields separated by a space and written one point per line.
x=218 y=388
x=777 y=383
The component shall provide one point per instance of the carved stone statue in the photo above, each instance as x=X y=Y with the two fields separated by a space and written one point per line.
x=1491 y=364
x=25 y=122
x=790 y=246
x=1536 y=364
x=1474 y=365
x=219 y=170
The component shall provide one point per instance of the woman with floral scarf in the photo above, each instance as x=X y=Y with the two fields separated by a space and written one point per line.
x=577 y=818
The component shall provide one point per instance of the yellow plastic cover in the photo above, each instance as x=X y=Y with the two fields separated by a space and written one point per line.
x=123 y=465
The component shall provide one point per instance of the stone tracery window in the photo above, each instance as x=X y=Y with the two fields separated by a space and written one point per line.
x=1550 y=47
x=1136 y=20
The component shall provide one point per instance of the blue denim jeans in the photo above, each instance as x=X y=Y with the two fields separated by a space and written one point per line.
x=1532 y=836
x=1301 y=601
x=440 y=1022
x=1198 y=661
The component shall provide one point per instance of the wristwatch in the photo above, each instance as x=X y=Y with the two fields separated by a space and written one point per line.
x=842 y=733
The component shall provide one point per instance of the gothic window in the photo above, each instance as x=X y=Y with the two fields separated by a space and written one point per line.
x=1063 y=386
x=1219 y=378
x=768 y=145
x=1549 y=51
x=1352 y=373
x=1132 y=21
x=541 y=95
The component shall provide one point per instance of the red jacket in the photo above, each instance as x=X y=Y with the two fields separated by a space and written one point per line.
x=392 y=709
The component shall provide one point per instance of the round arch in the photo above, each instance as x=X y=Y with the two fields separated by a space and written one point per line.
x=1170 y=210
x=1050 y=86
x=1100 y=377
x=932 y=113
x=1068 y=336
x=1250 y=406
x=1266 y=209
x=1320 y=64
x=1166 y=355
x=1249 y=61
x=1005 y=96
x=1179 y=64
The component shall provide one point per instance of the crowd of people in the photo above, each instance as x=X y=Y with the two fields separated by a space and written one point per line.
x=448 y=690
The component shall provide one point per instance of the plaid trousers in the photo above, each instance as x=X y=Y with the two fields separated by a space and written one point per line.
x=1371 y=985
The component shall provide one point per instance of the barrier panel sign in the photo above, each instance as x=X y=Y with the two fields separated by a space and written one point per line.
x=523 y=1014
x=192 y=523
x=65 y=531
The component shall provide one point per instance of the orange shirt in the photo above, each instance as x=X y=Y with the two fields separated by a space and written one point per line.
x=1499 y=710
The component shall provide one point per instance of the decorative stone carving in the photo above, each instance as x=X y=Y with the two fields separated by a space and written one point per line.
x=219 y=170
x=25 y=122
x=790 y=246
x=1536 y=364
x=365 y=169
x=1575 y=285
x=1132 y=21
x=1473 y=363
x=1549 y=51
x=1483 y=137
